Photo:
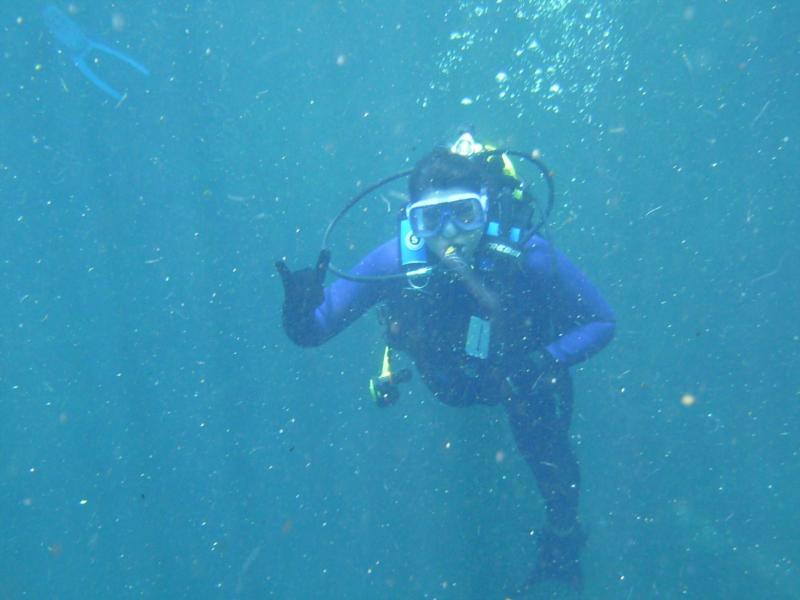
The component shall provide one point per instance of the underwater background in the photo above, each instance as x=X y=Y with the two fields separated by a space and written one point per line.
x=162 y=438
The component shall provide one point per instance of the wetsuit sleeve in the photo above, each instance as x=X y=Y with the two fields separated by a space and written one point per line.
x=345 y=300
x=583 y=322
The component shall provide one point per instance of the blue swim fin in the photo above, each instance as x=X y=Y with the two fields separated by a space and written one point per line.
x=120 y=55
x=92 y=76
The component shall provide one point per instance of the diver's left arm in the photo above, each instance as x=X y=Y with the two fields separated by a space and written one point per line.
x=583 y=322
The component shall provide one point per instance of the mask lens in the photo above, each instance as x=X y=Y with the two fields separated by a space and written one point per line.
x=467 y=214
x=431 y=218
x=426 y=220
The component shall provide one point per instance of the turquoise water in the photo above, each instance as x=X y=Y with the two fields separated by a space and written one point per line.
x=162 y=439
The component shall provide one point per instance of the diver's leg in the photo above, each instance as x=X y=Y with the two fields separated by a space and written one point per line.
x=92 y=76
x=120 y=55
x=540 y=424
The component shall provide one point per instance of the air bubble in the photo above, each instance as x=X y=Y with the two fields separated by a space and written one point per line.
x=528 y=44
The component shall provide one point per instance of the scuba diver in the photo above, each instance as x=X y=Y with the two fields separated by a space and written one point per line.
x=488 y=310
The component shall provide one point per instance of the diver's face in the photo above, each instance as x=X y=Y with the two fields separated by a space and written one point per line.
x=450 y=221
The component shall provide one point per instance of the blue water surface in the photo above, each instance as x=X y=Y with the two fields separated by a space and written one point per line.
x=161 y=438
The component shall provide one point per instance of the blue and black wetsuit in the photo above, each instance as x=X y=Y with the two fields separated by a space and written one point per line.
x=544 y=304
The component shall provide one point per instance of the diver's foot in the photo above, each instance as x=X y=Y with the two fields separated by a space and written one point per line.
x=559 y=558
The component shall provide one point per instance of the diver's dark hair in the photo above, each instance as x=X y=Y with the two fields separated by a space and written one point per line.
x=441 y=169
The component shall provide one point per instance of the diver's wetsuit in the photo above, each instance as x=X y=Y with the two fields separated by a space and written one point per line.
x=545 y=303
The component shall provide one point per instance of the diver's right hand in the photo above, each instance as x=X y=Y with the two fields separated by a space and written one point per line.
x=455 y=263
x=303 y=289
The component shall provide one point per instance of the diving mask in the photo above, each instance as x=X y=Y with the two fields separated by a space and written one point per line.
x=429 y=215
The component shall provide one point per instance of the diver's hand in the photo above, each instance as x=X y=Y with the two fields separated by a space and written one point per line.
x=303 y=289
x=454 y=261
